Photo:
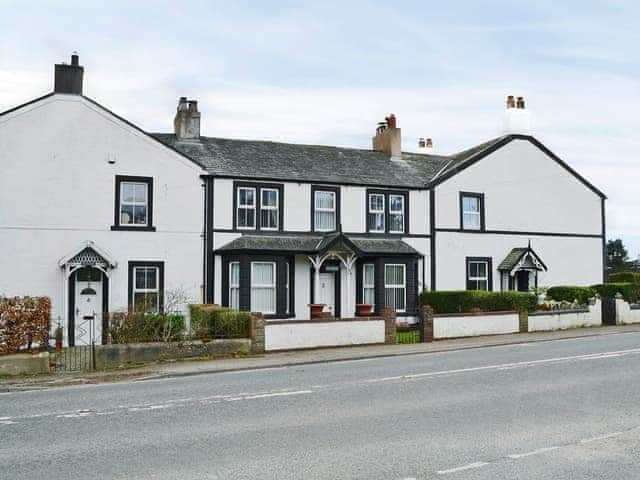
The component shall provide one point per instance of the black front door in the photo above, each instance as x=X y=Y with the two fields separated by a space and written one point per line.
x=523 y=280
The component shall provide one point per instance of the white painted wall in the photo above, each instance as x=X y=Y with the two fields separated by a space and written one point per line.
x=566 y=320
x=57 y=190
x=625 y=314
x=297 y=199
x=570 y=260
x=475 y=325
x=223 y=203
x=525 y=190
x=419 y=212
x=289 y=336
x=353 y=209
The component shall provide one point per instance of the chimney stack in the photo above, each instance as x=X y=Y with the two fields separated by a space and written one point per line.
x=388 y=137
x=68 y=78
x=425 y=145
x=186 y=124
x=517 y=118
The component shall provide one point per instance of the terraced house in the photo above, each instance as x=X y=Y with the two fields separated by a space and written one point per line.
x=99 y=214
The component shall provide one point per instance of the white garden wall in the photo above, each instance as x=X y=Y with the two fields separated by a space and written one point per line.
x=565 y=319
x=473 y=325
x=626 y=313
x=313 y=334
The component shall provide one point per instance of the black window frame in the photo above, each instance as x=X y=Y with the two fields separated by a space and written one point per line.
x=119 y=179
x=386 y=194
x=489 y=261
x=321 y=188
x=258 y=186
x=245 y=260
x=480 y=197
x=131 y=279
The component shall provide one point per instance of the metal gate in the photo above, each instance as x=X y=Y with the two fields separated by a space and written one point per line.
x=409 y=332
x=80 y=357
x=608 y=311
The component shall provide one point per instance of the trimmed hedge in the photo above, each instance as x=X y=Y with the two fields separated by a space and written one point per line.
x=137 y=327
x=571 y=294
x=463 y=301
x=214 y=321
x=630 y=292
x=625 y=277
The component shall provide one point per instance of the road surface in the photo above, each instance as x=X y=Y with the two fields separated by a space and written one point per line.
x=547 y=410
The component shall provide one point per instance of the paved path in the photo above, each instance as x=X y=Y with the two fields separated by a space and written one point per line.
x=537 y=410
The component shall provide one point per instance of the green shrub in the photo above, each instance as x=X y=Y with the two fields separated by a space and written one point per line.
x=571 y=294
x=625 y=277
x=137 y=327
x=456 y=301
x=213 y=321
x=630 y=292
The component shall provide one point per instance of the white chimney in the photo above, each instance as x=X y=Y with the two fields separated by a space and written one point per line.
x=517 y=119
x=425 y=145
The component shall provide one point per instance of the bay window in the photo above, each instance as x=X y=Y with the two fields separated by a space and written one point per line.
x=368 y=284
x=263 y=287
x=234 y=285
x=395 y=287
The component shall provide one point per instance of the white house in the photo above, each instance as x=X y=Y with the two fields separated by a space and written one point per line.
x=94 y=212
x=285 y=225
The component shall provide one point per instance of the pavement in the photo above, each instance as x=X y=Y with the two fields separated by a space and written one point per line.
x=548 y=407
x=290 y=358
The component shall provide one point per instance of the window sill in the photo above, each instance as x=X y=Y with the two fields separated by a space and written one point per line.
x=130 y=228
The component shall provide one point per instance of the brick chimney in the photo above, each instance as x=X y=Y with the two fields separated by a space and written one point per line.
x=388 y=137
x=68 y=78
x=517 y=119
x=186 y=124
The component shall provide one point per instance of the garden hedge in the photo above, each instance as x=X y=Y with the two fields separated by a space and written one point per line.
x=138 y=327
x=625 y=277
x=571 y=294
x=214 y=321
x=462 y=301
x=630 y=292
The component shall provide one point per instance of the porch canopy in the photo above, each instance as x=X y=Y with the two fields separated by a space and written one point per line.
x=320 y=248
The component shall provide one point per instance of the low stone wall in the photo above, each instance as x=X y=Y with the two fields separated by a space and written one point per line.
x=110 y=356
x=626 y=313
x=24 y=364
x=455 y=325
x=544 y=321
x=298 y=334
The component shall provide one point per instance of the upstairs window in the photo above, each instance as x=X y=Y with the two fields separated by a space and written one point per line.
x=325 y=209
x=375 y=217
x=133 y=203
x=471 y=211
x=246 y=216
x=258 y=207
x=269 y=209
x=386 y=212
x=479 y=273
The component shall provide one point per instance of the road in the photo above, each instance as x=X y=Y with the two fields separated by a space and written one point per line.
x=565 y=409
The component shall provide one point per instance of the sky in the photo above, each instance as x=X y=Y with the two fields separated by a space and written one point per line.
x=326 y=72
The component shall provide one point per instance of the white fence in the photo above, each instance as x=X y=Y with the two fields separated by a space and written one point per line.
x=626 y=313
x=590 y=316
x=289 y=335
x=472 y=325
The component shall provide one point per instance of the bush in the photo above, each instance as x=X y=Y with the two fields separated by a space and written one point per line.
x=213 y=321
x=24 y=323
x=137 y=327
x=630 y=292
x=461 y=301
x=571 y=294
x=625 y=277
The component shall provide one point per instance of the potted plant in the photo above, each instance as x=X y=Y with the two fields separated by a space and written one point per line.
x=58 y=336
x=316 y=309
x=364 y=309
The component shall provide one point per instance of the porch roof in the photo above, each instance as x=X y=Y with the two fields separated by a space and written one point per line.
x=318 y=244
x=516 y=255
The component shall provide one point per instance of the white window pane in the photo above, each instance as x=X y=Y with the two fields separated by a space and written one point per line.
x=234 y=298
x=325 y=220
x=126 y=214
x=471 y=204
x=246 y=196
x=127 y=192
x=396 y=203
x=234 y=274
x=376 y=222
x=140 y=193
x=269 y=198
x=263 y=273
x=269 y=219
x=324 y=199
x=396 y=223
x=376 y=202
x=471 y=220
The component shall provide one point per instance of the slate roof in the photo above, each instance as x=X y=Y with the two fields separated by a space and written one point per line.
x=316 y=244
x=287 y=161
x=514 y=256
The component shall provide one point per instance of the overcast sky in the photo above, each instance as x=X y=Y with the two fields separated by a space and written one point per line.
x=326 y=72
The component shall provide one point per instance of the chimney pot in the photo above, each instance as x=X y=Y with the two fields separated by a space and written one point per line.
x=429 y=143
x=520 y=103
x=511 y=103
x=391 y=121
x=388 y=138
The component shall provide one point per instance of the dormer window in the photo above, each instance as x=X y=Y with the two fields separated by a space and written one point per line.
x=133 y=203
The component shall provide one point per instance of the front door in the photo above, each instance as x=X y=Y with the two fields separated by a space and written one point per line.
x=88 y=318
x=523 y=280
x=327 y=292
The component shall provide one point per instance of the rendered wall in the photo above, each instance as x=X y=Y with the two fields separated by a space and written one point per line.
x=471 y=325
